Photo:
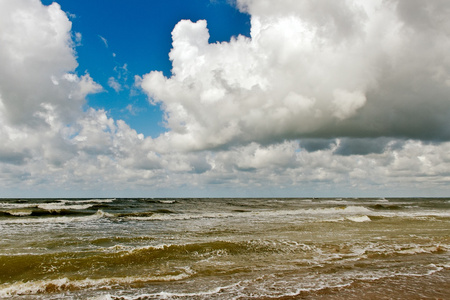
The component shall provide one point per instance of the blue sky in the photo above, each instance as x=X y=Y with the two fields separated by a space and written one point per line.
x=136 y=35
x=217 y=98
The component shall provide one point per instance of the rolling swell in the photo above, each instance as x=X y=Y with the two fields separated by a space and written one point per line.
x=20 y=213
x=98 y=264
x=123 y=257
x=128 y=261
x=385 y=207
x=19 y=208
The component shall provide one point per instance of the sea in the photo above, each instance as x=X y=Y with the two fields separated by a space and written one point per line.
x=238 y=248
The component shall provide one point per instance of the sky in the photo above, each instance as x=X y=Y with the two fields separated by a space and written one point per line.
x=222 y=98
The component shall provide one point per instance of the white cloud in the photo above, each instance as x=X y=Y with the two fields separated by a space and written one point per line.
x=114 y=84
x=372 y=73
x=78 y=38
x=326 y=97
x=104 y=40
x=37 y=59
x=310 y=68
x=347 y=103
x=40 y=95
x=120 y=81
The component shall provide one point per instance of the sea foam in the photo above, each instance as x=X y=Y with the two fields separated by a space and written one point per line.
x=65 y=284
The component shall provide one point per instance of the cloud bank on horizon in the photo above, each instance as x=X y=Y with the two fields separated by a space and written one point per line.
x=324 y=98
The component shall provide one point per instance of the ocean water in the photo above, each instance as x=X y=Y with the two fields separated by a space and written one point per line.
x=225 y=248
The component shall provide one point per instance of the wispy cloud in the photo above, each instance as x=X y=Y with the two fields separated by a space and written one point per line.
x=78 y=38
x=104 y=40
x=112 y=82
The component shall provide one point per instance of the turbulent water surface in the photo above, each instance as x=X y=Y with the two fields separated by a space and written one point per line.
x=225 y=248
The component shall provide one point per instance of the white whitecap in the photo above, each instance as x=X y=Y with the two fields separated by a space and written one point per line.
x=20 y=213
x=359 y=219
x=58 y=207
x=167 y=201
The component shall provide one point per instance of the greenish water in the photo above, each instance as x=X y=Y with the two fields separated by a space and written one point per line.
x=223 y=248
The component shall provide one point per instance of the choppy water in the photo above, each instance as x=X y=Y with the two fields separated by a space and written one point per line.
x=224 y=248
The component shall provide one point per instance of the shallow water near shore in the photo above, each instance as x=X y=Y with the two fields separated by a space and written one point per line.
x=142 y=248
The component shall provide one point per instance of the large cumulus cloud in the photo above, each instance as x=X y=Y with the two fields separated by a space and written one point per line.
x=311 y=69
x=38 y=60
x=49 y=138
x=39 y=93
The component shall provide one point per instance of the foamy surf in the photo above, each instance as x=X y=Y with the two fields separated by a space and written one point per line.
x=350 y=210
x=65 y=284
x=147 y=248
